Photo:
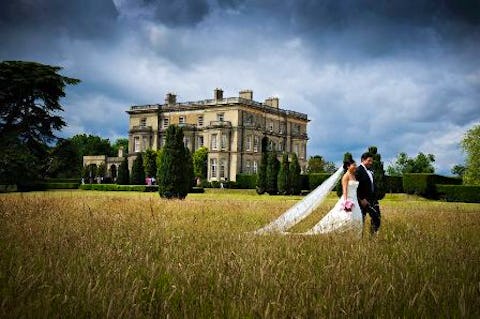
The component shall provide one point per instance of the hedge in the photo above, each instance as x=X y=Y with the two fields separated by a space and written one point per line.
x=116 y=187
x=42 y=186
x=246 y=181
x=459 y=193
x=393 y=184
x=425 y=184
x=316 y=179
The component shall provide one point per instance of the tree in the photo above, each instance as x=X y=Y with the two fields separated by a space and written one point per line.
x=471 y=146
x=283 y=181
x=138 y=171
x=29 y=105
x=189 y=173
x=123 y=174
x=120 y=142
x=262 y=169
x=91 y=145
x=174 y=169
x=101 y=170
x=378 y=173
x=200 y=162
x=294 y=175
x=64 y=160
x=273 y=166
x=150 y=162
x=422 y=163
x=458 y=170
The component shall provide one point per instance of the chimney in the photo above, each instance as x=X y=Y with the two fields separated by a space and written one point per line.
x=120 y=151
x=272 y=102
x=218 y=94
x=246 y=94
x=170 y=99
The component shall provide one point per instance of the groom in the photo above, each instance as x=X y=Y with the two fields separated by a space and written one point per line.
x=366 y=192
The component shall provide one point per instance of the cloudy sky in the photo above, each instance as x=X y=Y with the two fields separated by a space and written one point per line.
x=401 y=75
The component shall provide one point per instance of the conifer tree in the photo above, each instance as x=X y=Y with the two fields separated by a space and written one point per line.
x=174 y=167
x=123 y=174
x=294 y=175
x=283 y=180
x=273 y=166
x=262 y=169
x=378 y=173
x=138 y=171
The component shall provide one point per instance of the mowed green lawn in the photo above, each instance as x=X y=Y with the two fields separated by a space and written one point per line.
x=88 y=254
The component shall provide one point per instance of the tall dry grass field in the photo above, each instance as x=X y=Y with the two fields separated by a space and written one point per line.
x=108 y=255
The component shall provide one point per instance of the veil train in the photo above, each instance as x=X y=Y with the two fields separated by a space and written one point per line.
x=303 y=208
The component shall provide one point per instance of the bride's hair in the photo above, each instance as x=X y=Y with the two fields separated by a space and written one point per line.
x=347 y=163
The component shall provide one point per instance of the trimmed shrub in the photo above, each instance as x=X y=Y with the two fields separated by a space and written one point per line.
x=316 y=179
x=393 y=184
x=459 y=193
x=282 y=178
x=294 y=175
x=425 y=184
x=246 y=181
x=123 y=177
x=138 y=171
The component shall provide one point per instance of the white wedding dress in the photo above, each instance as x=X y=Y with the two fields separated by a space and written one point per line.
x=338 y=219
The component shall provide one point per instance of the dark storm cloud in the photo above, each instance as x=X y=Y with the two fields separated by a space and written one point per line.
x=87 y=18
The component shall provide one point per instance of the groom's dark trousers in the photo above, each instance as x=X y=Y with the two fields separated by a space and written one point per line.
x=366 y=190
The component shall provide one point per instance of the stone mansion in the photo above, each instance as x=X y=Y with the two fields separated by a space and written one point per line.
x=230 y=127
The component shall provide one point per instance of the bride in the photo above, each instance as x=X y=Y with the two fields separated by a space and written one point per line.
x=346 y=215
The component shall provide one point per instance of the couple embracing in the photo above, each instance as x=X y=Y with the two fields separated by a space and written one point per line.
x=358 y=199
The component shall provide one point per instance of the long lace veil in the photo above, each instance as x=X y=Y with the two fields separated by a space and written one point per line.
x=303 y=208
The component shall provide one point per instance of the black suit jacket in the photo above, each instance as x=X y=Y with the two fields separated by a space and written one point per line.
x=365 y=188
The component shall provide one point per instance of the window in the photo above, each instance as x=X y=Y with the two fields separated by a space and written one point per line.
x=136 y=144
x=249 y=143
x=165 y=123
x=164 y=140
x=181 y=120
x=213 y=168
x=223 y=142
x=296 y=129
x=270 y=126
x=200 y=120
x=222 y=168
x=144 y=143
x=213 y=142
x=220 y=117
x=296 y=149
x=248 y=165
x=256 y=141
x=254 y=167
x=282 y=128
x=199 y=141
x=143 y=122
x=280 y=147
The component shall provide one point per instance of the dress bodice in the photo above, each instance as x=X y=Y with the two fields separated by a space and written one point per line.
x=352 y=190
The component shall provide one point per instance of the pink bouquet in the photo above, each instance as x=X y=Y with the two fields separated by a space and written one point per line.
x=347 y=205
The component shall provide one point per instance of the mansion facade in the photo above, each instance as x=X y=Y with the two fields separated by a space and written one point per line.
x=231 y=128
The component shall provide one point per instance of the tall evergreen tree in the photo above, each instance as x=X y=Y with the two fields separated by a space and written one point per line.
x=294 y=175
x=262 y=169
x=173 y=168
x=378 y=173
x=123 y=174
x=138 y=171
x=283 y=180
x=150 y=163
x=273 y=166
